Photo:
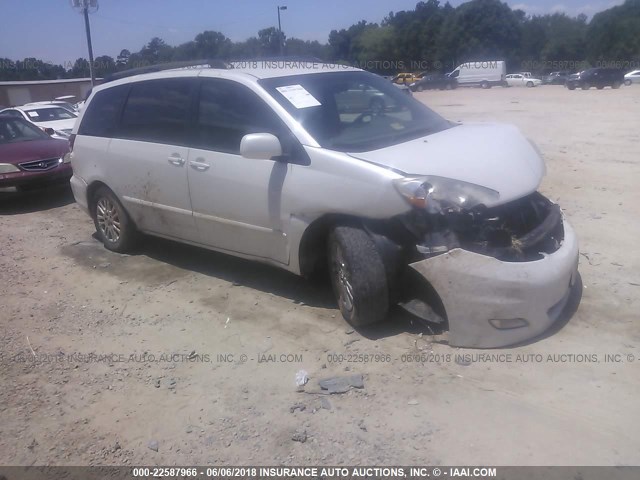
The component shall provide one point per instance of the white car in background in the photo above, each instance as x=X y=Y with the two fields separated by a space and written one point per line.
x=54 y=103
x=521 y=80
x=53 y=117
x=632 y=77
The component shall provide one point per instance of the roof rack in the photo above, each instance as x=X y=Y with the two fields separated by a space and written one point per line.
x=168 y=66
x=290 y=58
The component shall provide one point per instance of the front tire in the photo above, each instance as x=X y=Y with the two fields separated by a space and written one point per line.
x=627 y=82
x=115 y=228
x=358 y=276
x=529 y=84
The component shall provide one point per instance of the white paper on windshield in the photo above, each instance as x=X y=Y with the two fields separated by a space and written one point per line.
x=298 y=96
x=32 y=114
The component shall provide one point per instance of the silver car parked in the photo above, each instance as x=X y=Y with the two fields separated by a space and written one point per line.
x=321 y=167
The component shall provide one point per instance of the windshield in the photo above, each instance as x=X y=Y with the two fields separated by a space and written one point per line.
x=13 y=130
x=49 y=114
x=353 y=111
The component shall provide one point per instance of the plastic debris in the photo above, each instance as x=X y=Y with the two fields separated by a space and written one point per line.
x=302 y=377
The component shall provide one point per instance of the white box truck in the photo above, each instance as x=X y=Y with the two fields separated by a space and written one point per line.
x=485 y=74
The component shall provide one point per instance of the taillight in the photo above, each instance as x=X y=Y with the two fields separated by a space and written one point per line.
x=72 y=140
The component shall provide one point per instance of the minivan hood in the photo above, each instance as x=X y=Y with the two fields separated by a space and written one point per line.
x=495 y=156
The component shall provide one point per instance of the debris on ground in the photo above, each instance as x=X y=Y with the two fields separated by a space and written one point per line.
x=153 y=445
x=299 y=436
x=413 y=402
x=297 y=406
x=342 y=384
x=302 y=377
x=460 y=360
x=325 y=403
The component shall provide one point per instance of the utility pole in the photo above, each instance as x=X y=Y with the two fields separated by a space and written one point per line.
x=280 y=39
x=84 y=6
x=88 y=29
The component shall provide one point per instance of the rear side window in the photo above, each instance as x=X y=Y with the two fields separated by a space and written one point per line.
x=157 y=111
x=101 y=117
x=227 y=111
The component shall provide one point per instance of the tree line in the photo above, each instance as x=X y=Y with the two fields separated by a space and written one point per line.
x=432 y=36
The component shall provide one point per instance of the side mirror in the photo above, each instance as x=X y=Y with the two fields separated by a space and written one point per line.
x=49 y=131
x=260 y=146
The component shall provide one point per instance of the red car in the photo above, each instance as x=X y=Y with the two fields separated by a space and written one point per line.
x=29 y=157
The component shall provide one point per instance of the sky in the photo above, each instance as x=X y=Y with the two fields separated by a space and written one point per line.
x=52 y=31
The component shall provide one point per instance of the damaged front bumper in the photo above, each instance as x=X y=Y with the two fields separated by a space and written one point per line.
x=491 y=302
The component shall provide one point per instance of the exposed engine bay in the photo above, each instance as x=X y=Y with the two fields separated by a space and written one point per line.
x=519 y=231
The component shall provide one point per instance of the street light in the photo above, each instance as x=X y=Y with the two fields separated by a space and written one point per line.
x=280 y=41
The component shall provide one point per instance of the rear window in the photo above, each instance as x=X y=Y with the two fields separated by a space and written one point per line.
x=49 y=114
x=101 y=117
x=157 y=111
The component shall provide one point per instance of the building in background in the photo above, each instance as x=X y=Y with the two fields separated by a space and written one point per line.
x=19 y=93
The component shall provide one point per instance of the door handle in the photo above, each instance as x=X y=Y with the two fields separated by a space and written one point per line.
x=200 y=166
x=176 y=160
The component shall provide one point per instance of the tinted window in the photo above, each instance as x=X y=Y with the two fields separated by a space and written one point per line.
x=101 y=117
x=157 y=110
x=227 y=111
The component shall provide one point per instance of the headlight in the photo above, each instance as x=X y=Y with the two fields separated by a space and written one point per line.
x=8 y=168
x=436 y=194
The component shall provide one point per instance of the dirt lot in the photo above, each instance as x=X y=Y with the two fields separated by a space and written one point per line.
x=64 y=296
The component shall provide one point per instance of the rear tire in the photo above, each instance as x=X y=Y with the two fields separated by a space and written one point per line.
x=485 y=85
x=358 y=276
x=115 y=228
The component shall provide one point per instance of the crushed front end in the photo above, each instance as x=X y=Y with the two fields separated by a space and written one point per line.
x=503 y=274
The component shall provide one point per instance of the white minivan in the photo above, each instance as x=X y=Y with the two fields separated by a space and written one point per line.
x=321 y=168
x=485 y=74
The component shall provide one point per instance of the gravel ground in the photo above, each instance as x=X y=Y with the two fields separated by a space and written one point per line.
x=140 y=358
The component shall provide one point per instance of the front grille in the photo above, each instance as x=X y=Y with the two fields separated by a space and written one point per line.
x=40 y=165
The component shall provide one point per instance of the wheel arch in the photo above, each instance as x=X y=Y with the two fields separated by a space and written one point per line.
x=91 y=193
x=312 y=250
